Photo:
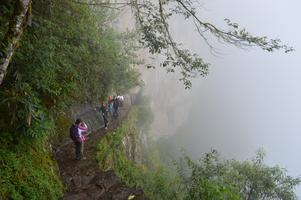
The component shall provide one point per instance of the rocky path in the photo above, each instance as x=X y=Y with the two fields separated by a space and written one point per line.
x=84 y=180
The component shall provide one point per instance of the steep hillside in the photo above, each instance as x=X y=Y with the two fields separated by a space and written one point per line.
x=68 y=55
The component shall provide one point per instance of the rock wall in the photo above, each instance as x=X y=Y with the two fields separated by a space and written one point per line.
x=134 y=145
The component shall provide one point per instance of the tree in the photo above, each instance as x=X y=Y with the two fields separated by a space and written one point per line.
x=251 y=180
x=153 y=23
x=18 y=22
x=67 y=48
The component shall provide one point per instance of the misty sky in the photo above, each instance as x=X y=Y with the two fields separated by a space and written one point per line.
x=250 y=99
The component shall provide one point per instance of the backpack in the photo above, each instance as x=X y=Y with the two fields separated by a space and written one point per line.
x=73 y=132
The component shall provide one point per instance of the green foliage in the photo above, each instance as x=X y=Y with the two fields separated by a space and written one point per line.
x=62 y=124
x=28 y=172
x=207 y=179
x=24 y=112
x=67 y=55
x=6 y=10
x=232 y=179
x=156 y=183
x=204 y=181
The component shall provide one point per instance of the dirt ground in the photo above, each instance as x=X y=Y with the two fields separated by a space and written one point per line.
x=83 y=179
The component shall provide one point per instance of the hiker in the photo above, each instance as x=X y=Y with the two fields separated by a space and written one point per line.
x=110 y=106
x=104 y=111
x=121 y=100
x=77 y=134
x=115 y=106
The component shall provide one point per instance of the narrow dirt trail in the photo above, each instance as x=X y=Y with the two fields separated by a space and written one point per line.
x=84 y=180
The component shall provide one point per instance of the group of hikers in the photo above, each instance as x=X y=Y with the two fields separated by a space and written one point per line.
x=79 y=129
x=110 y=108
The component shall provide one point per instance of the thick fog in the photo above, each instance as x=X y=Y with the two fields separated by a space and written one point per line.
x=250 y=99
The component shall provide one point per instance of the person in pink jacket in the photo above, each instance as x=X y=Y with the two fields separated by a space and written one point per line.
x=82 y=129
x=77 y=134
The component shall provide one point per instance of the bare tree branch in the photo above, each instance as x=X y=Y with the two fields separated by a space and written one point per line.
x=237 y=37
x=103 y=4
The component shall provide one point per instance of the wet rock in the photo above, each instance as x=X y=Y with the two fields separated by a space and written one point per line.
x=77 y=181
x=98 y=180
x=121 y=195
x=86 y=180
x=95 y=192
x=106 y=196
x=80 y=196
x=106 y=180
x=69 y=183
x=111 y=182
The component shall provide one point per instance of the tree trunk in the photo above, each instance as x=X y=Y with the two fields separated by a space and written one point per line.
x=17 y=25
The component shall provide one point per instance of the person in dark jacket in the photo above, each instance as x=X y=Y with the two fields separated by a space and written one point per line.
x=104 y=111
x=77 y=135
x=115 y=106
